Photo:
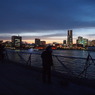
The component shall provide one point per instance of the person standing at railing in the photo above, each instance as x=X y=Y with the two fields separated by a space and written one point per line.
x=47 y=63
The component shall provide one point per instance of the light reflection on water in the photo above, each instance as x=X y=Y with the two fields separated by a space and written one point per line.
x=75 y=65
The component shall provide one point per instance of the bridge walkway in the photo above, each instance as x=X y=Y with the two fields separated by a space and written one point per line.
x=19 y=79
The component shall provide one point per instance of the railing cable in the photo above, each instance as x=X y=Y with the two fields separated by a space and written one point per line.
x=69 y=71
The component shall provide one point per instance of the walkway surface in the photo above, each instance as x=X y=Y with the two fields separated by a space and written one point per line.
x=19 y=80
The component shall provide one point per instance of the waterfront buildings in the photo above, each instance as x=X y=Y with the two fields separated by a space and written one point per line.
x=93 y=43
x=82 y=41
x=37 y=41
x=70 y=38
x=64 y=42
x=16 y=41
x=42 y=43
x=8 y=44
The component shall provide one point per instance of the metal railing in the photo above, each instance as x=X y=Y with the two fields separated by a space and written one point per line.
x=73 y=66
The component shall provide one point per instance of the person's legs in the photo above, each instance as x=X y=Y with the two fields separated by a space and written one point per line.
x=49 y=75
x=44 y=75
x=2 y=58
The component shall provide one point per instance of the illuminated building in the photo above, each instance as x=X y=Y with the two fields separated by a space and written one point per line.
x=89 y=43
x=69 y=38
x=16 y=41
x=37 y=41
x=82 y=41
x=8 y=44
x=56 y=45
x=93 y=43
x=64 y=42
x=43 y=43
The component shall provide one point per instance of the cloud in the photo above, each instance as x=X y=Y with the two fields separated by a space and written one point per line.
x=46 y=19
x=42 y=35
x=33 y=15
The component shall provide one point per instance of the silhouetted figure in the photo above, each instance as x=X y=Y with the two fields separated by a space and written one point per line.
x=47 y=62
x=2 y=49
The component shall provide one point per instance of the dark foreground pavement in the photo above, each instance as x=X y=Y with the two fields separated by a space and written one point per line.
x=19 y=80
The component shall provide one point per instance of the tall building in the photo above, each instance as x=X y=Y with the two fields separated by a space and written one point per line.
x=37 y=41
x=16 y=41
x=70 y=38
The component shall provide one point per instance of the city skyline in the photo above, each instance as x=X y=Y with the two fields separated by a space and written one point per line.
x=48 y=20
x=68 y=41
x=32 y=40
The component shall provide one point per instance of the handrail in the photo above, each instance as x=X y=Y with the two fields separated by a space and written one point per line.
x=71 y=57
x=84 y=71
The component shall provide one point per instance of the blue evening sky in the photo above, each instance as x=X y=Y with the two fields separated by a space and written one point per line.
x=47 y=19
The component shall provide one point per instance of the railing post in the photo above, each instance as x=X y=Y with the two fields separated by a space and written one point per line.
x=29 y=60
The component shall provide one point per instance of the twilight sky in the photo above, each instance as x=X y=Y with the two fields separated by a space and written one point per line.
x=47 y=19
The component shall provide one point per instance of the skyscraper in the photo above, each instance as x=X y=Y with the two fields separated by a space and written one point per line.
x=70 y=38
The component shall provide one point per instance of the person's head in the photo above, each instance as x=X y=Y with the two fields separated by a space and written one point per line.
x=49 y=49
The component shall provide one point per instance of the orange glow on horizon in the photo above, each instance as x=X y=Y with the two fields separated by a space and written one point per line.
x=47 y=41
x=28 y=41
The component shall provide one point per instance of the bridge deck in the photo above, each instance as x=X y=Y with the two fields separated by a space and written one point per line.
x=18 y=79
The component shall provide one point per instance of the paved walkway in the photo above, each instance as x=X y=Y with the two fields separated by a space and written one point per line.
x=17 y=80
